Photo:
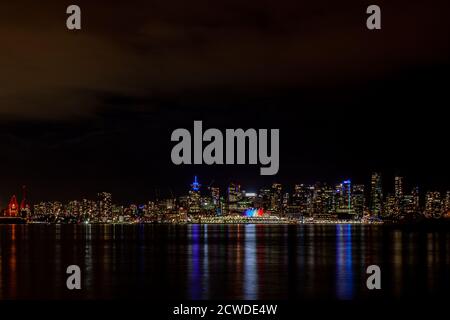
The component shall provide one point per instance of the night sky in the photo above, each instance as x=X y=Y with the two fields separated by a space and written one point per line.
x=93 y=110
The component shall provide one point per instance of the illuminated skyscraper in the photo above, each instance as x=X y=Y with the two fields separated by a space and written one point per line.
x=234 y=193
x=104 y=206
x=194 y=199
x=215 y=195
x=301 y=199
x=376 y=195
x=447 y=205
x=398 y=193
x=263 y=199
x=408 y=205
x=285 y=203
x=398 y=187
x=416 y=199
x=345 y=196
x=322 y=201
x=358 y=199
x=234 y=196
x=433 y=204
x=390 y=206
x=276 y=198
x=343 y=199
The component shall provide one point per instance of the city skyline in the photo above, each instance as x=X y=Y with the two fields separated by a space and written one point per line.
x=343 y=200
x=166 y=191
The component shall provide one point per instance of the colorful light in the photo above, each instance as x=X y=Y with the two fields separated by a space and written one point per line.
x=252 y=212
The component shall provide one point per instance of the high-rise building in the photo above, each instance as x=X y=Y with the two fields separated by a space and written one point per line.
x=344 y=197
x=215 y=195
x=343 y=200
x=234 y=196
x=194 y=198
x=234 y=192
x=263 y=199
x=390 y=206
x=358 y=199
x=416 y=199
x=301 y=199
x=276 y=198
x=447 y=205
x=104 y=206
x=286 y=201
x=398 y=186
x=398 y=193
x=433 y=204
x=376 y=195
x=74 y=208
x=322 y=201
x=408 y=205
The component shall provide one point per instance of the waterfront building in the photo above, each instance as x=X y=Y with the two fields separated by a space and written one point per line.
x=194 y=198
x=376 y=195
x=433 y=204
x=358 y=199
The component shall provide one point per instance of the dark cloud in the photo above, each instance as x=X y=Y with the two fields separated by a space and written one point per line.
x=92 y=110
x=146 y=48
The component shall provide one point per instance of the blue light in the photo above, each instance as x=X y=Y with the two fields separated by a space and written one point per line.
x=195 y=185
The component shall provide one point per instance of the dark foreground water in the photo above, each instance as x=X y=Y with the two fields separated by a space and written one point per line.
x=222 y=261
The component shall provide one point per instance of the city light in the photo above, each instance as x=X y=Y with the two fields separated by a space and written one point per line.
x=317 y=203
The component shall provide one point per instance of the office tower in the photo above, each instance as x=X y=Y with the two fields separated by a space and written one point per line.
x=215 y=195
x=104 y=206
x=433 y=204
x=74 y=208
x=322 y=201
x=398 y=193
x=183 y=202
x=234 y=193
x=117 y=213
x=447 y=205
x=276 y=198
x=390 y=206
x=263 y=199
x=344 y=196
x=416 y=199
x=358 y=199
x=398 y=186
x=328 y=199
x=234 y=196
x=286 y=202
x=194 y=198
x=376 y=195
x=318 y=208
x=301 y=199
x=408 y=205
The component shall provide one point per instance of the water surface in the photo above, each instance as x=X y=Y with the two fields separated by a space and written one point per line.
x=222 y=261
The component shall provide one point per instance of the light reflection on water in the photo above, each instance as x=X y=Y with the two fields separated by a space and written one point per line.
x=250 y=285
x=344 y=262
x=221 y=261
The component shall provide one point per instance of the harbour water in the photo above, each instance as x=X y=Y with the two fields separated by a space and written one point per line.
x=246 y=261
